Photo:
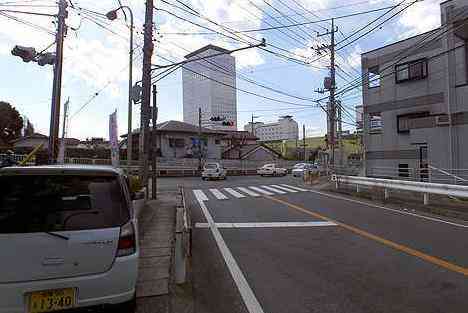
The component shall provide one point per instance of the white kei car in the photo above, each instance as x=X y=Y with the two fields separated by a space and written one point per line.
x=69 y=239
x=271 y=169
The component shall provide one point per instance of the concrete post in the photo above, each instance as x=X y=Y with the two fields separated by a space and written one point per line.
x=426 y=199
x=386 y=194
x=358 y=188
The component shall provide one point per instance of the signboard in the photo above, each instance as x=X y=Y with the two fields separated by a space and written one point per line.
x=113 y=137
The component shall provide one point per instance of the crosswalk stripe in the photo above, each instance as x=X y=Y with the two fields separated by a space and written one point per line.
x=295 y=188
x=284 y=188
x=200 y=195
x=261 y=191
x=218 y=194
x=273 y=189
x=234 y=193
x=249 y=192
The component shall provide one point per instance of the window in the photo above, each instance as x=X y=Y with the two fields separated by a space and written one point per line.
x=58 y=203
x=374 y=77
x=405 y=122
x=403 y=170
x=414 y=70
x=176 y=142
x=217 y=141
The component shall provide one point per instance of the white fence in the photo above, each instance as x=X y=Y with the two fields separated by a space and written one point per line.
x=389 y=184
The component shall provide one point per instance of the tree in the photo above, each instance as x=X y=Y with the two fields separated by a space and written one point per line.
x=11 y=123
x=29 y=130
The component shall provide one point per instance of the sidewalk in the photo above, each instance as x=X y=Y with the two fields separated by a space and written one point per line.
x=157 y=226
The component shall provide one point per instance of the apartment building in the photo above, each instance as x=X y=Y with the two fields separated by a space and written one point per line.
x=285 y=128
x=207 y=85
x=415 y=108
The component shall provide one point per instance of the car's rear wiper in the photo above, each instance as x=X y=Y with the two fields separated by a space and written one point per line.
x=57 y=235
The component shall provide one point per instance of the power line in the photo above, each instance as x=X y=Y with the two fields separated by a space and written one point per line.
x=27 y=23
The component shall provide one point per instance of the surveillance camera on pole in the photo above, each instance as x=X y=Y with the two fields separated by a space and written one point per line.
x=26 y=53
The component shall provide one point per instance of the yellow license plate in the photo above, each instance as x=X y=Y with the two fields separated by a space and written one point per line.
x=51 y=300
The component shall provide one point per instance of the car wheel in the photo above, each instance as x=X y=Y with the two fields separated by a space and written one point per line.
x=127 y=307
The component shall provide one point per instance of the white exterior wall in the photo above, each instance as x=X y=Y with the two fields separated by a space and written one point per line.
x=285 y=128
x=203 y=91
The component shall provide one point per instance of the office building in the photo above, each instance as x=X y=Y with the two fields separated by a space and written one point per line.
x=210 y=84
x=285 y=128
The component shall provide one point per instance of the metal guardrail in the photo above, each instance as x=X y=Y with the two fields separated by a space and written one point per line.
x=388 y=184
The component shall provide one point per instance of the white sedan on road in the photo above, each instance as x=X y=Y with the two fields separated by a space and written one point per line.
x=272 y=170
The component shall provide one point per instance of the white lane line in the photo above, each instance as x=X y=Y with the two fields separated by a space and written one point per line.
x=389 y=209
x=234 y=193
x=294 y=187
x=284 y=188
x=249 y=192
x=251 y=302
x=261 y=191
x=281 y=192
x=200 y=195
x=218 y=194
x=267 y=225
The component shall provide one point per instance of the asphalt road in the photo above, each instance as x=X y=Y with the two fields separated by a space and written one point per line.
x=249 y=255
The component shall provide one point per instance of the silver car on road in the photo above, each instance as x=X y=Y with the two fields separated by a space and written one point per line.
x=68 y=238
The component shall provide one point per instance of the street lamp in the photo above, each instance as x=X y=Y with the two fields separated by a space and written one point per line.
x=112 y=15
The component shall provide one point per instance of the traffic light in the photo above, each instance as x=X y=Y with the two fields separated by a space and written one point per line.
x=26 y=53
x=46 y=58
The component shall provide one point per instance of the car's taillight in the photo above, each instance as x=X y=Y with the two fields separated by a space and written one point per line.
x=127 y=240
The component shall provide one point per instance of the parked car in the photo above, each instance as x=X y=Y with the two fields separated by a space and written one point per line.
x=213 y=171
x=69 y=239
x=299 y=169
x=271 y=169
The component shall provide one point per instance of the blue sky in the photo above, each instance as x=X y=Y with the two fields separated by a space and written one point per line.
x=96 y=59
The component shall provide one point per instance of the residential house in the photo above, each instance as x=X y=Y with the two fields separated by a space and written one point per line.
x=414 y=98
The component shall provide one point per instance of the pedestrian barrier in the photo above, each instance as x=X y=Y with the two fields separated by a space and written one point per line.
x=183 y=241
x=388 y=184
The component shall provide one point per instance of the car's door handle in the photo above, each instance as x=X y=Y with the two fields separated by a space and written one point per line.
x=53 y=261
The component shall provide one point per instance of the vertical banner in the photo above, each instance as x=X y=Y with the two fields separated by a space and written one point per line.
x=114 y=141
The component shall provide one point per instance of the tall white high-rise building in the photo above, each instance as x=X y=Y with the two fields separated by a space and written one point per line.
x=206 y=85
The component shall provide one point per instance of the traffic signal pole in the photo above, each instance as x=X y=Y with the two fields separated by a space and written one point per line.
x=57 y=84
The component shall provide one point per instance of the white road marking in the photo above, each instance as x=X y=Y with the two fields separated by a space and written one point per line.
x=266 y=225
x=284 y=188
x=261 y=191
x=200 y=195
x=295 y=188
x=251 y=302
x=234 y=193
x=218 y=194
x=281 y=192
x=248 y=191
x=389 y=209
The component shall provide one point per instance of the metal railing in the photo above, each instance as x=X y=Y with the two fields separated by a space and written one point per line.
x=388 y=184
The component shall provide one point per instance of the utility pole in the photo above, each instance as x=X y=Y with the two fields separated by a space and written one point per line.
x=331 y=114
x=61 y=154
x=199 y=139
x=340 y=139
x=154 y=144
x=253 y=125
x=303 y=142
x=146 y=91
x=57 y=84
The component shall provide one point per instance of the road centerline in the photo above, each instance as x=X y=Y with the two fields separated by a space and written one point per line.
x=267 y=224
x=386 y=242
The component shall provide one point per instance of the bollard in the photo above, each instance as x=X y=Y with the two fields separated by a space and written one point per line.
x=386 y=194
x=358 y=189
x=426 y=199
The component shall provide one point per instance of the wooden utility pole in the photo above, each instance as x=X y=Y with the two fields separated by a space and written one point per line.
x=146 y=91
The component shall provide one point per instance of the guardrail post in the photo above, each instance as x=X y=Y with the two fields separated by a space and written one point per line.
x=386 y=194
x=426 y=199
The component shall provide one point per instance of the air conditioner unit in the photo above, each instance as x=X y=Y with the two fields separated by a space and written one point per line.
x=442 y=120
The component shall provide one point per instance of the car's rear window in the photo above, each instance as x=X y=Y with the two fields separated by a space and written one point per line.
x=211 y=166
x=56 y=203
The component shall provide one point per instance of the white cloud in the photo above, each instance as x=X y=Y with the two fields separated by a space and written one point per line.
x=420 y=17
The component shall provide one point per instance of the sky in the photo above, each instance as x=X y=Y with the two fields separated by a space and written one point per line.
x=95 y=68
